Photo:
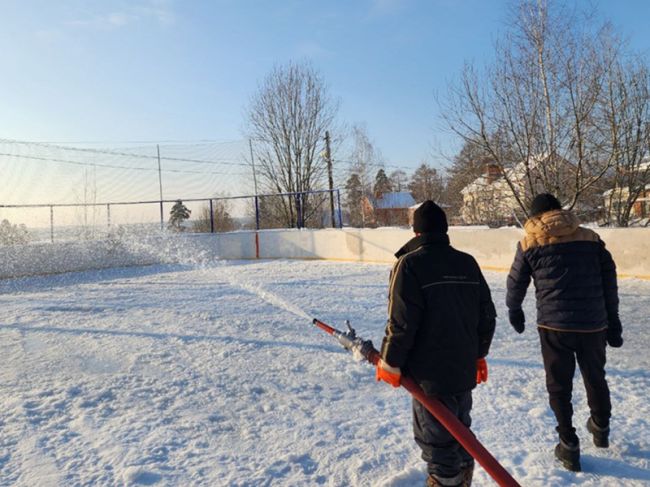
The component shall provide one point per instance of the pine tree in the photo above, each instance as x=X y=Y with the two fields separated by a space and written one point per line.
x=382 y=184
x=178 y=214
x=426 y=184
x=354 y=195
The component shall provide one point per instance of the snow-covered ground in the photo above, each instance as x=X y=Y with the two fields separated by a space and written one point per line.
x=180 y=375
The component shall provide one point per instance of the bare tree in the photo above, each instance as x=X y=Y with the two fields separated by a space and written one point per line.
x=468 y=165
x=536 y=110
x=221 y=219
x=364 y=158
x=627 y=111
x=287 y=120
x=398 y=180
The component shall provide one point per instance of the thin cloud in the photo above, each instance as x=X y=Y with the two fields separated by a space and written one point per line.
x=160 y=11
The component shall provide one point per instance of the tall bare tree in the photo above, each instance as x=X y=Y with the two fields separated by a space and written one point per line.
x=287 y=120
x=535 y=111
x=364 y=158
x=398 y=180
x=627 y=111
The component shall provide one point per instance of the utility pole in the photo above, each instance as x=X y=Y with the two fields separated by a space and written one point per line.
x=328 y=156
x=250 y=145
x=162 y=217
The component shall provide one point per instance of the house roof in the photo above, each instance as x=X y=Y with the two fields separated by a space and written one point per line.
x=402 y=199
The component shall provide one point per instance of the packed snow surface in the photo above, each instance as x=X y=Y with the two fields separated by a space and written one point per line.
x=215 y=376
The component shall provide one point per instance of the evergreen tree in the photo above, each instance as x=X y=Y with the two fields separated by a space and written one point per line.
x=382 y=184
x=178 y=214
x=354 y=195
x=426 y=184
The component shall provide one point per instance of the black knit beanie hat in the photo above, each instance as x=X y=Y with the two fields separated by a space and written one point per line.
x=542 y=203
x=429 y=218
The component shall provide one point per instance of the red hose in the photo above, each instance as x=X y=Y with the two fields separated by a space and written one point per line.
x=457 y=429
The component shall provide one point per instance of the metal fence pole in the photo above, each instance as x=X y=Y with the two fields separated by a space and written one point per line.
x=257 y=213
x=162 y=218
x=108 y=215
x=52 y=224
x=338 y=199
x=211 y=218
x=298 y=211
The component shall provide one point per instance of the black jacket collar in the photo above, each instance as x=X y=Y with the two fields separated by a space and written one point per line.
x=425 y=239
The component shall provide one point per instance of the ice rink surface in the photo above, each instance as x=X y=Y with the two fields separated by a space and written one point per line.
x=214 y=375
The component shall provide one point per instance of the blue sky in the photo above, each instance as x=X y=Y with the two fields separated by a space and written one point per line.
x=77 y=70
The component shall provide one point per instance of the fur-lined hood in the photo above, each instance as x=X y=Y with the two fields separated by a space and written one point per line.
x=555 y=226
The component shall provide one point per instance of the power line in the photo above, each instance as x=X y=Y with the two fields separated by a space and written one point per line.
x=376 y=164
x=123 y=154
x=115 y=166
x=163 y=141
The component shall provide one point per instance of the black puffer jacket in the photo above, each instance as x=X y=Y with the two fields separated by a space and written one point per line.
x=440 y=315
x=574 y=275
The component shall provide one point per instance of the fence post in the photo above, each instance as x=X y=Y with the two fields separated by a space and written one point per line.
x=211 y=218
x=338 y=199
x=298 y=211
x=162 y=218
x=257 y=227
x=108 y=215
x=51 y=223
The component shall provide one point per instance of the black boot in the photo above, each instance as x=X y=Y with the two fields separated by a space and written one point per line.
x=568 y=452
x=600 y=434
x=468 y=473
x=436 y=481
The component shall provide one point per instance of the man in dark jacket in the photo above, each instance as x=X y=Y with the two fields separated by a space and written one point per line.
x=440 y=325
x=577 y=314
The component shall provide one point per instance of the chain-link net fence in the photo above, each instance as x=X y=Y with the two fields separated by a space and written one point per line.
x=51 y=192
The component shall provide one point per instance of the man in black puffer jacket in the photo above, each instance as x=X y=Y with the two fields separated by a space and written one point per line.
x=577 y=314
x=440 y=325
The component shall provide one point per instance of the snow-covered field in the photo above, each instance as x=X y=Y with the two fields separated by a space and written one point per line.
x=180 y=375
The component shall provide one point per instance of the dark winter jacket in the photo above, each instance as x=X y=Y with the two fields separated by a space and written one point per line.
x=440 y=315
x=574 y=275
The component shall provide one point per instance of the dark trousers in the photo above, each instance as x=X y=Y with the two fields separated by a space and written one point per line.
x=560 y=351
x=443 y=454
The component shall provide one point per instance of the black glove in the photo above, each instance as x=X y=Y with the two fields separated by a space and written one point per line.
x=615 y=332
x=614 y=338
x=517 y=319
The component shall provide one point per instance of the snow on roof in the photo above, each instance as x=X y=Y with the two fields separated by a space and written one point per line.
x=394 y=200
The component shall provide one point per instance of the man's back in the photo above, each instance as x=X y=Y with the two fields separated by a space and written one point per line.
x=575 y=276
x=440 y=310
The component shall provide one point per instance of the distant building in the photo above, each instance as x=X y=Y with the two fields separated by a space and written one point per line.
x=390 y=209
x=490 y=199
x=617 y=196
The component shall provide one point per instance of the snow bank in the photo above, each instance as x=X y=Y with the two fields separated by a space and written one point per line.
x=493 y=248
